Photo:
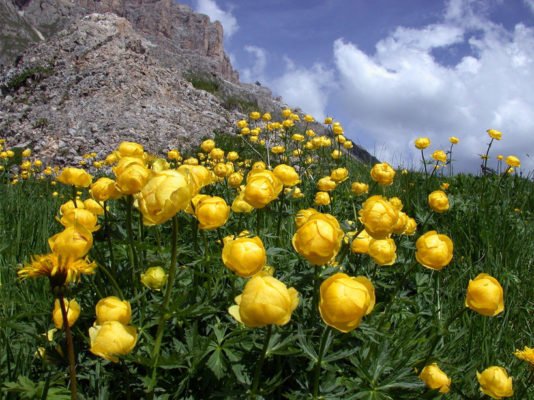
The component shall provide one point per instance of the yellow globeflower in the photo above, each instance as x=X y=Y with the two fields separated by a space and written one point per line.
x=336 y=154
x=154 y=278
x=378 y=216
x=359 y=188
x=132 y=179
x=73 y=312
x=94 y=206
x=112 y=339
x=216 y=154
x=75 y=176
x=104 y=189
x=262 y=187
x=131 y=149
x=527 y=354
x=287 y=174
x=454 y=140
x=318 y=239
x=438 y=201
x=207 y=145
x=58 y=269
x=235 y=179
x=434 y=251
x=322 y=199
x=164 y=195
x=113 y=309
x=383 y=251
x=495 y=382
x=254 y=115
x=81 y=217
x=244 y=255
x=73 y=243
x=239 y=205
x=326 y=184
x=435 y=378
x=383 y=174
x=173 y=155
x=26 y=153
x=494 y=134
x=303 y=216
x=402 y=222
x=265 y=301
x=422 y=143
x=360 y=244
x=411 y=227
x=198 y=176
x=345 y=300
x=513 y=161
x=278 y=149
x=232 y=156
x=485 y=295
x=212 y=212
x=339 y=174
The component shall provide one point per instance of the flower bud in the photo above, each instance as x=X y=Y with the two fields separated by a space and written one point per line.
x=75 y=177
x=287 y=175
x=113 y=309
x=322 y=199
x=245 y=256
x=154 y=278
x=383 y=174
x=378 y=216
x=212 y=212
x=435 y=378
x=434 y=250
x=495 y=382
x=383 y=251
x=73 y=312
x=104 y=189
x=112 y=339
x=485 y=295
x=438 y=201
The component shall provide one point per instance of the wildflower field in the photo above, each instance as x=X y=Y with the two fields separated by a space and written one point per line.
x=266 y=264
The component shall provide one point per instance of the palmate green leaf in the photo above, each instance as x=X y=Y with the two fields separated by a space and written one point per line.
x=217 y=362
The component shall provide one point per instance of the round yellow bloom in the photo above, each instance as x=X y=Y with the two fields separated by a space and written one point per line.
x=154 y=278
x=173 y=155
x=242 y=123
x=494 y=134
x=322 y=199
x=513 y=161
x=411 y=227
x=166 y=193
x=422 y=143
x=439 y=155
x=216 y=154
x=80 y=216
x=435 y=378
x=287 y=174
x=326 y=184
x=278 y=149
x=239 y=205
x=113 y=309
x=132 y=179
x=220 y=170
x=112 y=339
x=434 y=251
x=131 y=149
x=232 y=156
x=345 y=300
x=318 y=239
x=207 y=145
x=244 y=255
x=212 y=212
x=527 y=354
x=262 y=187
x=337 y=129
x=500 y=157
x=266 y=116
x=303 y=216
x=348 y=145
x=75 y=176
x=104 y=189
x=260 y=165
x=359 y=188
x=265 y=301
x=26 y=153
x=485 y=295
x=73 y=312
x=438 y=201
x=378 y=216
x=254 y=115
x=402 y=222
x=495 y=382
x=339 y=174
x=360 y=244
x=235 y=179
x=383 y=174
x=198 y=176
x=454 y=140
x=336 y=154
x=73 y=243
x=383 y=251
x=94 y=206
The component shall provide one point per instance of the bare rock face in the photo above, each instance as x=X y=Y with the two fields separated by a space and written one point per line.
x=99 y=87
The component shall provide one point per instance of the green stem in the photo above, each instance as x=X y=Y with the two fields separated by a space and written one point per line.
x=164 y=305
x=424 y=163
x=316 y=285
x=317 y=370
x=486 y=157
x=108 y=238
x=70 y=349
x=132 y=256
x=259 y=364
x=280 y=216
x=112 y=280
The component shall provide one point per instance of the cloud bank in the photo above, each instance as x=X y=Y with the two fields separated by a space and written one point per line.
x=212 y=10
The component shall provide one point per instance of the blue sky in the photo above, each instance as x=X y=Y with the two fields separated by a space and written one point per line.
x=393 y=70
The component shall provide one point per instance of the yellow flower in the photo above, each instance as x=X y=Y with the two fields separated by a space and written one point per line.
x=173 y=155
x=328 y=120
x=411 y=227
x=235 y=179
x=95 y=207
x=359 y=188
x=383 y=174
x=439 y=155
x=322 y=199
x=75 y=176
x=348 y=145
x=26 y=153
x=262 y=187
x=73 y=243
x=244 y=255
x=239 y=205
x=104 y=189
x=131 y=149
x=454 y=140
x=500 y=157
x=73 y=312
x=495 y=382
x=527 y=354
x=336 y=154
x=318 y=239
x=438 y=201
x=287 y=174
x=344 y=300
x=339 y=174
x=154 y=278
x=164 y=195
x=266 y=116
x=308 y=118
x=259 y=165
x=132 y=177
x=400 y=227
x=360 y=244
x=303 y=216
x=112 y=339
x=435 y=378
x=494 y=134
x=513 y=161
x=216 y=153
x=113 y=309
x=61 y=271
x=434 y=251
x=265 y=301
x=198 y=176
x=444 y=186
x=383 y=251
x=378 y=216
x=485 y=295
x=212 y=212
x=254 y=115
x=277 y=149
x=326 y=184
x=80 y=216
x=422 y=143
x=207 y=145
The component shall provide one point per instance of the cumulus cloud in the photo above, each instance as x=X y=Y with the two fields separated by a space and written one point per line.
x=530 y=5
x=403 y=91
x=212 y=10
x=256 y=72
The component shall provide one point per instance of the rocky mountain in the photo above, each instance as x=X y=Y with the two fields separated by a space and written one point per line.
x=84 y=75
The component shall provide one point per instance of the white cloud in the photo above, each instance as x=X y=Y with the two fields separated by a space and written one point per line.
x=212 y=10
x=257 y=71
x=402 y=91
x=530 y=5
